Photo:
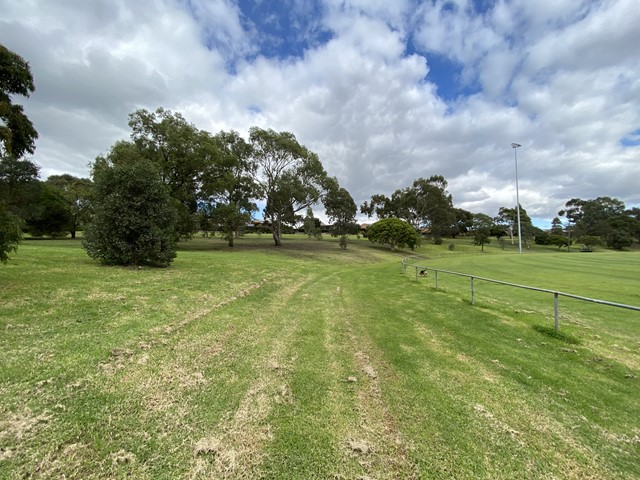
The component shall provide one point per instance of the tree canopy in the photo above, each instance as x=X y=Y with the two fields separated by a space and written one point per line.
x=426 y=204
x=341 y=210
x=602 y=217
x=508 y=218
x=180 y=152
x=133 y=217
x=17 y=134
x=394 y=232
x=481 y=228
x=19 y=191
x=289 y=176
x=77 y=193
x=10 y=233
x=228 y=186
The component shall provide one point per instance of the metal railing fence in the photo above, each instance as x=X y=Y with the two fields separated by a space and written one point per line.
x=556 y=294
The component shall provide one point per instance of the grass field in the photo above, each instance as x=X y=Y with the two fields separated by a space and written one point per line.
x=306 y=361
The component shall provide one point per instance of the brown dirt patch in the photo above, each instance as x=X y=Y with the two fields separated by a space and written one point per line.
x=20 y=425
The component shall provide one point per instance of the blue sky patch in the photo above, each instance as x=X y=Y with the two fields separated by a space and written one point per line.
x=284 y=29
x=631 y=140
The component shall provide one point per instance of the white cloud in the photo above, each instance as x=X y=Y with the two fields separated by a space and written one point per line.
x=562 y=78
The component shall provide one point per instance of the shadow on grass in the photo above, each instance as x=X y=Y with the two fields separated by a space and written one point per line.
x=551 y=332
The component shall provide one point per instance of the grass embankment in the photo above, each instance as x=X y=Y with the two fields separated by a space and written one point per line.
x=310 y=362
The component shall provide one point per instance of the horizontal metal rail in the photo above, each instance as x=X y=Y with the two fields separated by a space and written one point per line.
x=424 y=269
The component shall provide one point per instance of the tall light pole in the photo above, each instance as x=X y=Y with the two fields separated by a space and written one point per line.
x=515 y=153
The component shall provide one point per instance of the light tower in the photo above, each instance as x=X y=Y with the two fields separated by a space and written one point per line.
x=515 y=147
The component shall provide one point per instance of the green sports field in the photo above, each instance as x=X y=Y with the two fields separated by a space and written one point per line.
x=307 y=361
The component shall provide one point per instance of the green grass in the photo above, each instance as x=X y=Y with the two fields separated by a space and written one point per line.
x=307 y=361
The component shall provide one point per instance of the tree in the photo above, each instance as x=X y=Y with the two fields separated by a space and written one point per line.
x=618 y=239
x=463 y=222
x=556 y=227
x=312 y=224
x=17 y=134
x=290 y=176
x=227 y=183
x=508 y=218
x=558 y=240
x=77 y=192
x=542 y=239
x=17 y=137
x=573 y=213
x=634 y=215
x=426 y=204
x=51 y=215
x=180 y=152
x=597 y=214
x=341 y=210
x=603 y=217
x=589 y=240
x=435 y=205
x=481 y=228
x=10 y=233
x=394 y=232
x=133 y=218
x=623 y=222
x=19 y=185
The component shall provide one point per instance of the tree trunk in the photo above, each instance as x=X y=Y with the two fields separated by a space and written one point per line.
x=277 y=232
x=73 y=234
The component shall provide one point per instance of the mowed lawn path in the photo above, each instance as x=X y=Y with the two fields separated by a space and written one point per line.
x=300 y=362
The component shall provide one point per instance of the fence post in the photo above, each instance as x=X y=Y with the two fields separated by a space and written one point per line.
x=416 y=274
x=436 y=279
x=555 y=311
x=473 y=302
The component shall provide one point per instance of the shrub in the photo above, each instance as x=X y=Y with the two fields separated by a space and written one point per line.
x=393 y=232
x=133 y=220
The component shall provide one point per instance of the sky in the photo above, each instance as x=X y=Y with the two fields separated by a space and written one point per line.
x=384 y=91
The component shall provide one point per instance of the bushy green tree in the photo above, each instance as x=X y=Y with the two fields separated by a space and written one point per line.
x=426 y=204
x=508 y=219
x=77 y=192
x=180 y=152
x=228 y=185
x=51 y=215
x=312 y=225
x=10 y=233
x=558 y=240
x=619 y=239
x=341 y=210
x=289 y=176
x=133 y=216
x=603 y=217
x=17 y=134
x=556 y=227
x=19 y=186
x=393 y=232
x=481 y=228
x=463 y=221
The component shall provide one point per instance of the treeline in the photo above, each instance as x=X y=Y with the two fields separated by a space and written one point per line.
x=428 y=207
x=171 y=179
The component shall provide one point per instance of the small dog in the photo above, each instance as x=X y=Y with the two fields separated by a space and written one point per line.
x=423 y=273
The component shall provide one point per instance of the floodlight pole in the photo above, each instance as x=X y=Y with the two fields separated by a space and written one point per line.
x=515 y=153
